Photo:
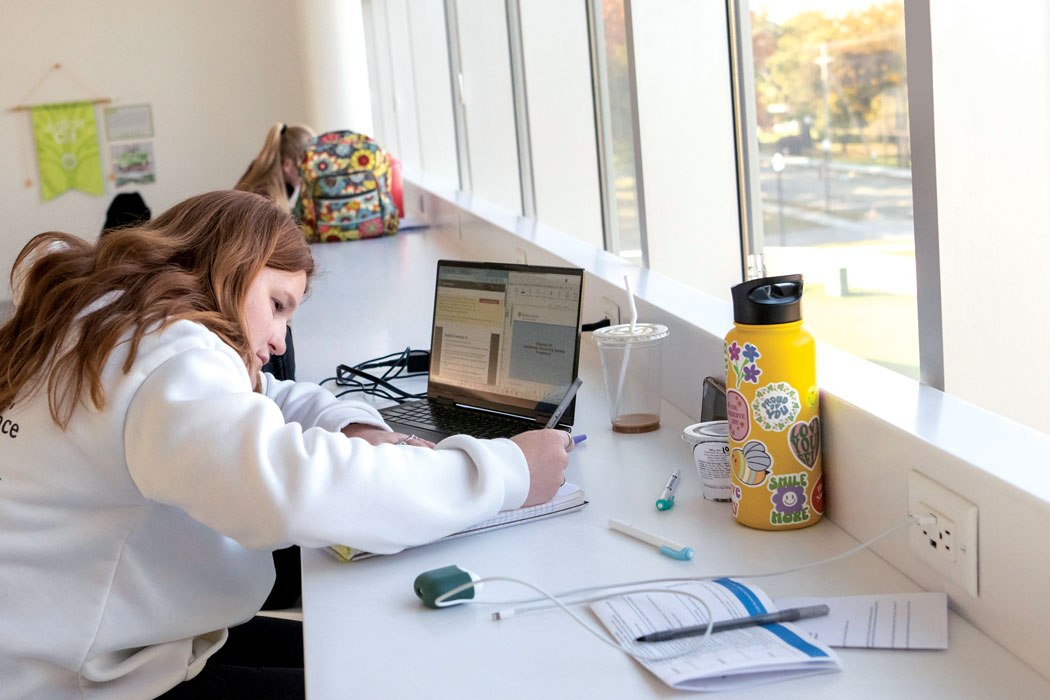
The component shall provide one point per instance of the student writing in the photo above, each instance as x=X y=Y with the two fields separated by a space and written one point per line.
x=155 y=468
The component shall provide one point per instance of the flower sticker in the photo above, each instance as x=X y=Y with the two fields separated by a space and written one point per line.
x=789 y=500
x=751 y=373
x=743 y=360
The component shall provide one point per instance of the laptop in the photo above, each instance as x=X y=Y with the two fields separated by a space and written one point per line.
x=505 y=347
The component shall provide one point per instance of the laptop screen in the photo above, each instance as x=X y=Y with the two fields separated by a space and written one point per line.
x=506 y=337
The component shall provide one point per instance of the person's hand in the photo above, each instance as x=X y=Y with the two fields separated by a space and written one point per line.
x=547 y=454
x=378 y=436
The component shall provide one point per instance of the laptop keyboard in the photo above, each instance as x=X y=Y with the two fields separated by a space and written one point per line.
x=454 y=420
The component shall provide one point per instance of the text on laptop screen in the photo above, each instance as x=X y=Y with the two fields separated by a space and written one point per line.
x=504 y=335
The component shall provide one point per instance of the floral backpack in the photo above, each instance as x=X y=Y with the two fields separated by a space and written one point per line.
x=351 y=189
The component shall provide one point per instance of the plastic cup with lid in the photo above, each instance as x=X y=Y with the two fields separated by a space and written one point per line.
x=632 y=364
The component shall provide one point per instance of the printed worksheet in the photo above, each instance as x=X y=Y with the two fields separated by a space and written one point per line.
x=895 y=621
x=731 y=659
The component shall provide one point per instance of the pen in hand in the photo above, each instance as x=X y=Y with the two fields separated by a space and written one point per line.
x=552 y=422
x=789 y=615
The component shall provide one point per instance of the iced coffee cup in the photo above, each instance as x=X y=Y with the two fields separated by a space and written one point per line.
x=632 y=362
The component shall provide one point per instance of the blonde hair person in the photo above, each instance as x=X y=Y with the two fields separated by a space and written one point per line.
x=275 y=171
x=149 y=468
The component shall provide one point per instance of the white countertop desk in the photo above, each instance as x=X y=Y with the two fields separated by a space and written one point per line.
x=367 y=636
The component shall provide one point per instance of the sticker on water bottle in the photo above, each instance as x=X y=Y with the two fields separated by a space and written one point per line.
x=751 y=463
x=776 y=406
x=788 y=494
x=737 y=415
x=744 y=361
x=818 y=496
x=804 y=440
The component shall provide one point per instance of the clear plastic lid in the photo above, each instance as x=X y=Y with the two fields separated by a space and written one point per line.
x=642 y=334
x=702 y=432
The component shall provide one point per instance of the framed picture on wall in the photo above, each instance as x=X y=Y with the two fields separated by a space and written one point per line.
x=129 y=122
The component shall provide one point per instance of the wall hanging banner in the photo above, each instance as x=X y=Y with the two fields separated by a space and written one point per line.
x=67 y=149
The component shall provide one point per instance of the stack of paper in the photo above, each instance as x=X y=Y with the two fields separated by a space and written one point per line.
x=723 y=661
x=569 y=498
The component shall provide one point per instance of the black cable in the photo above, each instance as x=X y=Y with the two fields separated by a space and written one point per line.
x=596 y=325
x=403 y=364
x=376 y=382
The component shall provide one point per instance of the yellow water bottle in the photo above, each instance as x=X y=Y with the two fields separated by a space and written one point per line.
x=772 y=407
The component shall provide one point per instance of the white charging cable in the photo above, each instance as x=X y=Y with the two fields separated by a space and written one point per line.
x=535 y=604
x=634 y=650
x=567 y=598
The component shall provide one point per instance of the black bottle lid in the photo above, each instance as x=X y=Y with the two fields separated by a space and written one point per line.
x=768 y=300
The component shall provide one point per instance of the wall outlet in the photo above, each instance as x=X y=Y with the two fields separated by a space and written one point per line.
x=610 y=310
x=520 y=256
x=949 y=544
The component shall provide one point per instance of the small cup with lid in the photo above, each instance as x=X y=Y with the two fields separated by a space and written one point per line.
x=632 y=363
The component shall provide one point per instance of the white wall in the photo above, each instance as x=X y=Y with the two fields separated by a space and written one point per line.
x=993 y=196
x=217 y=75
x=335 y=73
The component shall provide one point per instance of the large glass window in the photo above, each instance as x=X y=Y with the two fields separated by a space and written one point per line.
x=623 y=234
x=560 y=118
x=488 y=102
x=831 y=109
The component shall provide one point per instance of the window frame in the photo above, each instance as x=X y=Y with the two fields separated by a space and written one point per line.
x=918 y=49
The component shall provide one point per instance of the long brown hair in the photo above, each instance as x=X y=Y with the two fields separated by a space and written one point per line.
x=265 y=175
x=195 y=261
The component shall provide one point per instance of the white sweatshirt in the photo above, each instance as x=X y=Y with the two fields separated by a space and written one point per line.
x=130 y=541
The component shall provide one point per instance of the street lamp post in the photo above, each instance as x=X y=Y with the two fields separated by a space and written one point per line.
x=825 y=145
x=778 y=168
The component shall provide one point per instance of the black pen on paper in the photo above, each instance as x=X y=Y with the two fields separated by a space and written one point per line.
x=769 y=618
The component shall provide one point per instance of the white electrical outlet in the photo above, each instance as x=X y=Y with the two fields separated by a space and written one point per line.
x=949 y=544
x=610 y=310
x=520 y=256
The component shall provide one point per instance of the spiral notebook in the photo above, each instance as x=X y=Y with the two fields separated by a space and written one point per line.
x=569 y=498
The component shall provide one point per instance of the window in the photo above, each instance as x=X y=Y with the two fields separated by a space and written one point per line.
x=488 y=102
x=560 y=113
x=834 y=162
x=616 y=130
